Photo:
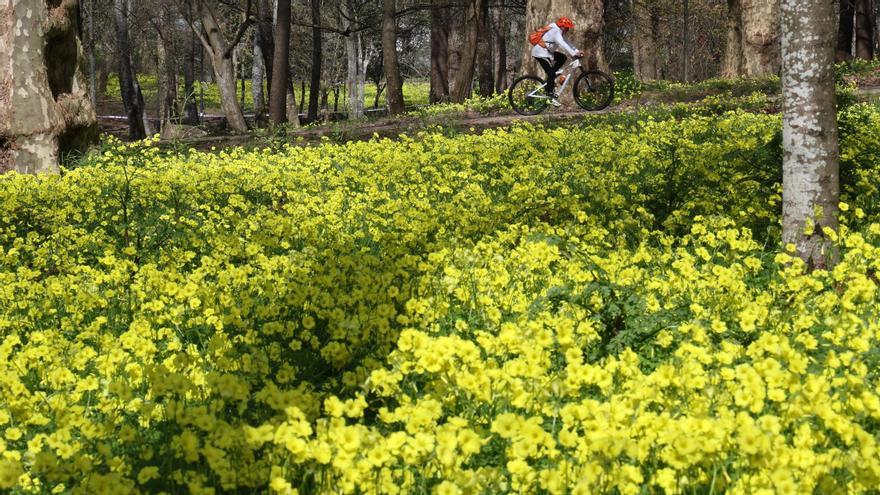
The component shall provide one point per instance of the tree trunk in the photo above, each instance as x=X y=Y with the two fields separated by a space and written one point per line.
x=168 y=55
x=127 y=78
x=484 y=52
x=266 y=39
x=258 y=80
x=845 y=30
x=455 y=45
x=439 y=91
x=315 y=82
x=191 y=107
x=465 y=76
x=753 y=38
x=589 y=21
x=645 y=41
x=50 y=114
x=280 y=64
x=356 y=63
x=685 y=42
x=499 y=48
x=761 y=49
x=864 y=27
x=389 y=55
x=292 y=110
x=93 y=83
x=809 y=129
x=220 y=52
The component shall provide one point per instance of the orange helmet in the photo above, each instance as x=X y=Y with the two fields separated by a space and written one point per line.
x=564 y=23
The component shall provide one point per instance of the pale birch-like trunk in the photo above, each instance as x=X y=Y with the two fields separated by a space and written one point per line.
x=809 y=129
x=356 y=77
x=258 y=79
x=45 y=109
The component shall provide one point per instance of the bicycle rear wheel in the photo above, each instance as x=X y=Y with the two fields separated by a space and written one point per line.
x=594 y=90
x=527 y=96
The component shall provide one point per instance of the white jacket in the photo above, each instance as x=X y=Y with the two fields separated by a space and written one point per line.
x=554 y=41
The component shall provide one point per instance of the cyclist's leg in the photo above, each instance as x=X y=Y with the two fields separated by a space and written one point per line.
x=558 y=61
x=551 y=75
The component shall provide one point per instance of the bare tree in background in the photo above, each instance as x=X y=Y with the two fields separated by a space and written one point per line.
x=357 y=56
x=439 y=90
x=50 y=114
x=864 y=29
x=845 y=30
x=220 y=51
x=645 y=40
x=809 y=129
x=393 y=81
x=464 y=78
x=132 y=97
x=280 y=64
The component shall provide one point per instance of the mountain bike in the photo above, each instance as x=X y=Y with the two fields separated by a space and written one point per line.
x=593 y=90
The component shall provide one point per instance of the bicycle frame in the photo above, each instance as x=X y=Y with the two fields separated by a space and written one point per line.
x=568 y=73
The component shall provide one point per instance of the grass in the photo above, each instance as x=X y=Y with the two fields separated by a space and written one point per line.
x=415 y=92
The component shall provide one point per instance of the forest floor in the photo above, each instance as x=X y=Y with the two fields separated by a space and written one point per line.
x=755 y=95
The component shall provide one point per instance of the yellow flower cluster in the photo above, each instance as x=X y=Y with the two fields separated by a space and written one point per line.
x=530 y=310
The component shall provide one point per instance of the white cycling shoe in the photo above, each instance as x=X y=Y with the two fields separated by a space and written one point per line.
x=555 y=102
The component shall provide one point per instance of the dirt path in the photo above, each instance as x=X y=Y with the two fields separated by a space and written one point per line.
x=391 y=127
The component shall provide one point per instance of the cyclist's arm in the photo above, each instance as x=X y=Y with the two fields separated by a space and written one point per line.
x=556 y=37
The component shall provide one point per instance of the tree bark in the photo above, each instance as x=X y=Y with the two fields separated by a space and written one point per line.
x=220 y=52
x=191 y=107
x=127 y=79
x=864 y=27
x=391 y=66
x=315 y=82
x=356 y=62
x=499 y=48
x=439 y=91
x=486 y=75
x=761 y=48
x=645 y=41
x=845 y=30
x=280 y=64
x=167 y=50
x=465 y=76
x=455 y=44
x=45 y=112
x=258 y=80
x=809 y=129
x=753 y=48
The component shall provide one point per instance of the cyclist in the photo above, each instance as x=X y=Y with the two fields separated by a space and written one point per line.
x=547 y=54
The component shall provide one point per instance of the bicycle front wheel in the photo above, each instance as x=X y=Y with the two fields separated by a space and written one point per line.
x=527 y=96
x=594 y=90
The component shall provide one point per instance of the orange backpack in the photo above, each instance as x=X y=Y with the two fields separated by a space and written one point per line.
x=537 y=38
